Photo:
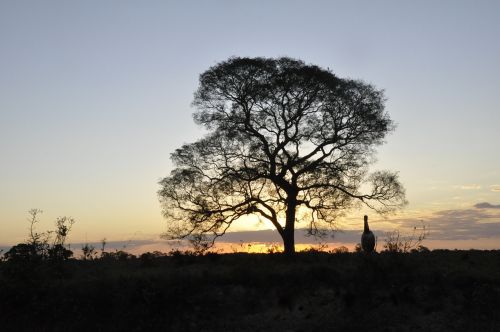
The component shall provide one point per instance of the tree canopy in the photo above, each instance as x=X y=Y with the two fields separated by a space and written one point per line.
x=287 y=141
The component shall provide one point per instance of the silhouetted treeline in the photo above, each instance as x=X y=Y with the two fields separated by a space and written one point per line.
x=428 y=291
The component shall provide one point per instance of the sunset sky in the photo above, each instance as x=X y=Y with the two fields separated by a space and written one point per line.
x=95 y=95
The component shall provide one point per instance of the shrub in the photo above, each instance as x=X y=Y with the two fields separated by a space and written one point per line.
x=37 y=247
x=396 y=241
x=118 y=255
x=340 y=250
x=88 y=252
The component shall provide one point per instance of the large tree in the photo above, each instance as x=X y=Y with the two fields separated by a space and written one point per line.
x=287 y=141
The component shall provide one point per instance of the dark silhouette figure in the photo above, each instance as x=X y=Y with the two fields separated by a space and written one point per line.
x=367 y=239
x=260 y=112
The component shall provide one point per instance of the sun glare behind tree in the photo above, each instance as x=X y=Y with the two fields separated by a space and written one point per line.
x=283 y=135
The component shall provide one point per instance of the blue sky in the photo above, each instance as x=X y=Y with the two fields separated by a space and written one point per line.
x=95 y=95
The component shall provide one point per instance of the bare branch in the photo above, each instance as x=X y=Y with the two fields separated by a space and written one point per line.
x=282 y=135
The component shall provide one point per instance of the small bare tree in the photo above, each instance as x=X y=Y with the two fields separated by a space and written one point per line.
x=38 y=245
x=103 y=247
x=396 y=241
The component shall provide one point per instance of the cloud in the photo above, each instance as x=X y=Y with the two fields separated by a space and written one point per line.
x=486 y=205
x=478 y=223
x=468 y=187
x=272 y=236
x=495 y=188
x=252 y=236
x=459 y=224
x=467 y=224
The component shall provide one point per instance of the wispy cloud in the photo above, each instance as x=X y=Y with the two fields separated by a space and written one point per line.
x=495 y=188
x=477 y=223
x=460 y=224
x=468 y=187
x=486 y=205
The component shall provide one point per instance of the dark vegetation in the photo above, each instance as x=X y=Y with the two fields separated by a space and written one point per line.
x=260 y=113
x=406 y=287
x=286 y=141
x=424 y=290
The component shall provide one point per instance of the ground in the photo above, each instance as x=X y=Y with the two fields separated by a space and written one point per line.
x=426 y=291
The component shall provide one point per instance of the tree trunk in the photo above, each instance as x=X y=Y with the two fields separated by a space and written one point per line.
x=289 y=241
x=289 y=231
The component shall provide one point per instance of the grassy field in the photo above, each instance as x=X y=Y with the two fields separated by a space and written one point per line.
x=427 y=291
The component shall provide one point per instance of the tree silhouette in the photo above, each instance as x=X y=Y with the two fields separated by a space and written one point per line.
x=37 y=247
x=286 y=141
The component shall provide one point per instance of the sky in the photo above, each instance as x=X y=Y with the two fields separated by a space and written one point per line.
x=95 y=95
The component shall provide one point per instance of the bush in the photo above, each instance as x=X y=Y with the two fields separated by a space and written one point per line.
x=396 y=241
x=88 y=252
x=37 y=247
x=118 y=255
